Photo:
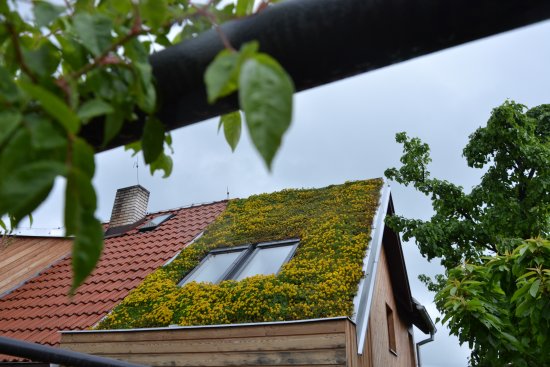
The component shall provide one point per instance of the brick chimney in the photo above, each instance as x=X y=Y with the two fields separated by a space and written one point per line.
x=130 y=206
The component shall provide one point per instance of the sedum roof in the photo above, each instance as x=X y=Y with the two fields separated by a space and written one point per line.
x=334 y=228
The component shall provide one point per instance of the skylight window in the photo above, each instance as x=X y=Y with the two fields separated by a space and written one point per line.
x=155 y=222
x=242 y=262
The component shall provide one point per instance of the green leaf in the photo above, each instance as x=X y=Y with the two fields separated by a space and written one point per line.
x=80 y=197
x=45 y=12
x=154 y=12
x=26 y=187
x=45 y=133
x=87 y=248
x=93 y=108
x=534 y=288
x=54 y=106
x=232 y=128
x=9 y=120
x=520 y=292
x=147 y=96
x=135 y=147
x=83 y=157
x=8 y=89
x=152 y=140
x=43 y=60
x=222 y=75
x=73 y=211
x=162 y=163
x=94 y=30
x=113 y=124
x=244 y=7
x=265 y=93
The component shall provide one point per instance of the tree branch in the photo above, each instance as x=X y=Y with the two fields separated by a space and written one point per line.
x=18 y=53
x=204 y=12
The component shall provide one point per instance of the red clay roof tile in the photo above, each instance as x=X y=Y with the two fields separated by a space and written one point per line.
x=40 y=308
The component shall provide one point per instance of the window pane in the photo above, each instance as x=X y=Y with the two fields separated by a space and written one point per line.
x=214 y=267
x=265 y=260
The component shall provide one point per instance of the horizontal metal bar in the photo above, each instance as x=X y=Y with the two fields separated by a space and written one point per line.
x=320 y=41
x=43 y=353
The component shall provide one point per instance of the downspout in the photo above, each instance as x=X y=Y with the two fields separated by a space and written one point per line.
x=428 y=320
x=422 y=342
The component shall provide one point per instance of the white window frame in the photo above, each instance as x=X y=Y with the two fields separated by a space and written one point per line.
x=248 y=252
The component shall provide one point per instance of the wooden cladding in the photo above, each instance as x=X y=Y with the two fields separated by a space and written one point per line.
x=328 y=342
x=21 y=258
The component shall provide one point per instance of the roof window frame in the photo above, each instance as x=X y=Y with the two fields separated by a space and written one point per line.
x=247 y=255
x=149 y=225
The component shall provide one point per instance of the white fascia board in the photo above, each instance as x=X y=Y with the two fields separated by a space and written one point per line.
x=362 y=302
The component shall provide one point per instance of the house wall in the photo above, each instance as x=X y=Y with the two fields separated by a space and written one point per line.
x=327 y=342
x=377 y=348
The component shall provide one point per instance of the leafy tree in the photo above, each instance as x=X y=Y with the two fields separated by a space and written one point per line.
x=66 y=66
x=495 y=293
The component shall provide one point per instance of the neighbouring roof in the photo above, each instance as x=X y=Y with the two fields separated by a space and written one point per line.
x=22 y=258
x=37 y=310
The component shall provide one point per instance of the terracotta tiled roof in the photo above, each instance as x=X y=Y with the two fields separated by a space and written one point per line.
x=40 y=308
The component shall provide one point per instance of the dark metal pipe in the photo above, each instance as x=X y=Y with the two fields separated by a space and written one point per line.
x=320 y=41
x=42 y=353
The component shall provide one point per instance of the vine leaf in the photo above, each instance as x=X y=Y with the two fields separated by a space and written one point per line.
x=265 y=93
x=93 y=108
x=80 y=206
x=244 y=7
x=154 y=12
x=45 y=13
x=27 y=186
x=162 y=163
x=94 y=30
x=87 y=248
x=9 y=120
x=222 y=75
x=113 y=123
x=152 y=140
x=53 y=105
x=232 y=128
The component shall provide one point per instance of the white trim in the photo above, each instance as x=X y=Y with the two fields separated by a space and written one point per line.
x=172 y=327
x=185 y=246
x=362 y=302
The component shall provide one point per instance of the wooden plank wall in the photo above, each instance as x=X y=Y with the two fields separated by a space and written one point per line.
x=312 y=343
x=377 y=341
x=21 y=258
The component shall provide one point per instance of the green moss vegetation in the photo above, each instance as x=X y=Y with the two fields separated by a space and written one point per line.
x=334 y=226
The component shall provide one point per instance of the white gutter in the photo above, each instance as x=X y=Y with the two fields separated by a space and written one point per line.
x=433 y=330
x=362 y=302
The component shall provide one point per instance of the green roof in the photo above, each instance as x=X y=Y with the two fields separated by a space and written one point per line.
x=334 y=228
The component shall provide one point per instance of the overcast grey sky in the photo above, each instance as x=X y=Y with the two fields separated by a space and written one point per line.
x=345 y=131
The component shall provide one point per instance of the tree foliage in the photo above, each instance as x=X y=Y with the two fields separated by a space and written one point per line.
x=86 y=62
x=495 y=293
